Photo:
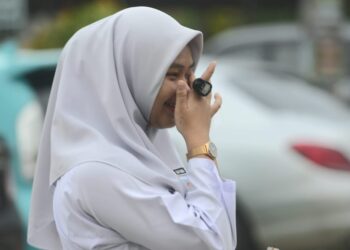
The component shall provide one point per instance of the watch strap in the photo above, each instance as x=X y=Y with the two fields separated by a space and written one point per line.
x=201 y=150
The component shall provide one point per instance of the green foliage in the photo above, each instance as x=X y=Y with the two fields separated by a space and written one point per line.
x=56 y=33
x=210 y=20
x=221 y=19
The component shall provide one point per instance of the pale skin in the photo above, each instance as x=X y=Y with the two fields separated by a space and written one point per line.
x=178 y=105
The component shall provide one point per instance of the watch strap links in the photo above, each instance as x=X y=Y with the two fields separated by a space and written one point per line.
x=201 y=150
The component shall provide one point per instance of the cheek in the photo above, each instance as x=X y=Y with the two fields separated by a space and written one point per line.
x=166 y=93
x=168 y=89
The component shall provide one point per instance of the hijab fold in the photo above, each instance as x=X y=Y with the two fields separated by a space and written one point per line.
x=106 y=81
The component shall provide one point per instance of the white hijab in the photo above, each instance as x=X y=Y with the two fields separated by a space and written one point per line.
x=106 y=81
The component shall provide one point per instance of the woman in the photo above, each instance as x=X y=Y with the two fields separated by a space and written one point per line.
x=108 y=176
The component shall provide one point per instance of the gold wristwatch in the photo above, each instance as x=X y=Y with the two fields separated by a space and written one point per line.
x=208 y=149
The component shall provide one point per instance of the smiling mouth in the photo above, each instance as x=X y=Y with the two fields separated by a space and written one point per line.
x=171 y=106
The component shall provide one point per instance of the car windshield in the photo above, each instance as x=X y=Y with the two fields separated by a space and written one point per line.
x=283 y=53
x=40 y=80
x=282 y=91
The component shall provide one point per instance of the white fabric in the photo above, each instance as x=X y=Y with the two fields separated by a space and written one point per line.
x=137 y=216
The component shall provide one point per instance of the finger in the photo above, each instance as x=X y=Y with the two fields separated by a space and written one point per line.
x=192 y=78
x=208 y=97
x=217 y=104
x=181 y=95
x=209 y=71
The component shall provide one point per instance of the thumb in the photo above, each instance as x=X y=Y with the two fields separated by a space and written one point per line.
x=181 y=95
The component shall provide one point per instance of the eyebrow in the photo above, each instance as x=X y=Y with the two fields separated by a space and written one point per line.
x=180 y=66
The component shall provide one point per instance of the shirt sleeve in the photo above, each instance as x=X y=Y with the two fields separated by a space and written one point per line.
x=157 y=219
x=206 y=184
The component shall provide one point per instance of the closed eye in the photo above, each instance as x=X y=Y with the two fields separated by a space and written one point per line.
x=172 y=76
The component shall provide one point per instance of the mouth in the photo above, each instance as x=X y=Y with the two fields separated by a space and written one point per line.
x=170 y=105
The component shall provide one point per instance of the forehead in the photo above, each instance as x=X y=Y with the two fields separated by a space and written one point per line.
x=184 y=59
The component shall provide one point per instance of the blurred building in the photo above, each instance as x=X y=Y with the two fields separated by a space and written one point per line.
x=323 y=21
x=13 y=16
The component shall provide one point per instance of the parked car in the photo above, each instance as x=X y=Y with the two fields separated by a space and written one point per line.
x=286 y=144
x=289 y=45
x=283 y=43
x=24 y=75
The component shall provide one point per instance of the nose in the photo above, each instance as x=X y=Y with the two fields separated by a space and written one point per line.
x=182 y=77
x=186 y=79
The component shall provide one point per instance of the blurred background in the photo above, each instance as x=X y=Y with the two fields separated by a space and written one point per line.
x=283 y=131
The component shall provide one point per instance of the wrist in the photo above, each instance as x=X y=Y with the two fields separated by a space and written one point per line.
x=207 y=149
x=199 y=156
x=196 y=142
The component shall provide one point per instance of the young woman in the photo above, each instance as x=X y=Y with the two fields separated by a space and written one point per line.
x=108 y=176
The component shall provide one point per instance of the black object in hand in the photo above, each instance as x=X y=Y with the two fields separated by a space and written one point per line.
x=202 y=87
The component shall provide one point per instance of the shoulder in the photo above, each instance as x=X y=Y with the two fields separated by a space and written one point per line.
x=93 y=173
x=89 y=186
x=90 y=179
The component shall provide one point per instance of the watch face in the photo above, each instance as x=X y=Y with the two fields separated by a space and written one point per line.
x=212 y=149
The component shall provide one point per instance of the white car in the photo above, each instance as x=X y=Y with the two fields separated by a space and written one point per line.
x=288 y=44
x=287 y=145
x=283 y=43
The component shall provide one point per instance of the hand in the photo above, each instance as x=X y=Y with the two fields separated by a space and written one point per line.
x=193 y=113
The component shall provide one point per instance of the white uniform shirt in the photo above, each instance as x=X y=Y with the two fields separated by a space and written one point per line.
x=146 y=217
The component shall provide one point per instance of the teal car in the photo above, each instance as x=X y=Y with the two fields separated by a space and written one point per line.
x=25 y=81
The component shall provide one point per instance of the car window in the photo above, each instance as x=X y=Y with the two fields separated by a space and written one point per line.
x=284 y=53
x=41 y=80
x=281 y=91
x=250 y=51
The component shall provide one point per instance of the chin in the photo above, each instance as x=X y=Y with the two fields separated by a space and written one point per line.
x=171 y=126
x=162 y=125
x=167 y=124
